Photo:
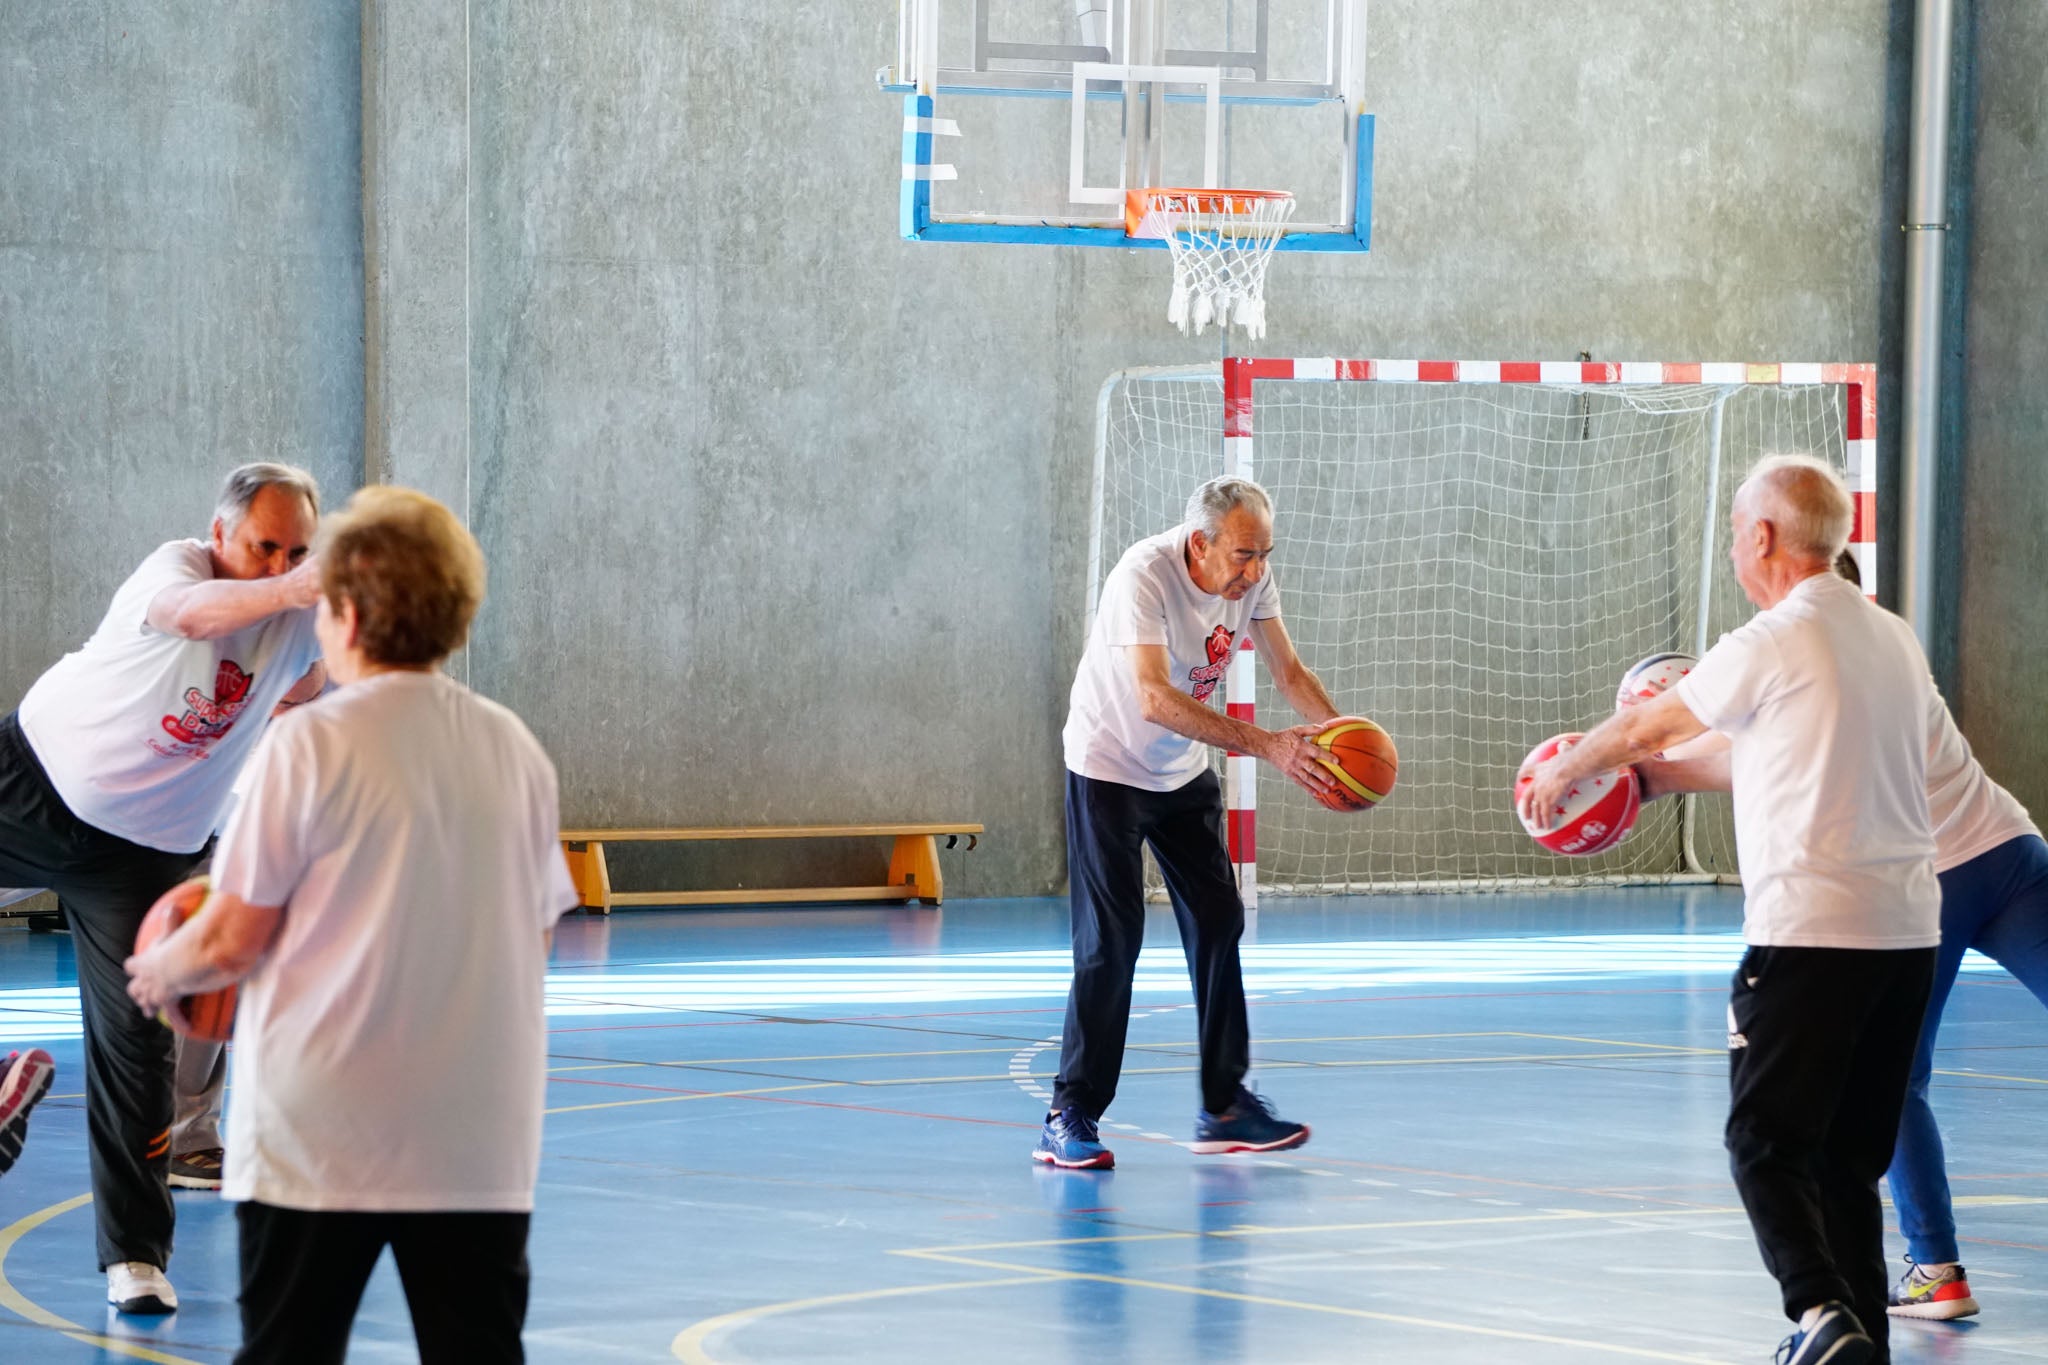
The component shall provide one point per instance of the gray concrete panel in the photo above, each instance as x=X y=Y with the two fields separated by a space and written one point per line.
x=180 y=285
x=415 y=101
x=2004 y=627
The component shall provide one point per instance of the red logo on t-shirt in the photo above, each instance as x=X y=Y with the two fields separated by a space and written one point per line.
x=206 y=718
x=1208 y=675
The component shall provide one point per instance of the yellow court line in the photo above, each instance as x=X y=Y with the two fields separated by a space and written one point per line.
x=1386 y=1225
x=1993 y=1076
x=16 y=1302
x=1610 y=1042
x=1548 y=1216
x=815 y=1057
x=1276 y=1064
x=1366 y=1314
x=689 y=1343
x=678 y=1099
x=1267 y=1063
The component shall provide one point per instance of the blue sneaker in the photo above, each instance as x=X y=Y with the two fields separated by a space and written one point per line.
x=1827 y=1335
x=1069 y=1140
x=1249 y=1125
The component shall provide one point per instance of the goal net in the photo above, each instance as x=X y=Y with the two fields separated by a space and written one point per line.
x=1472 y=565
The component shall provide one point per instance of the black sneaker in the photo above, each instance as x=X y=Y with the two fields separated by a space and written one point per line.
x=198 y=1170
x=1827 y=1335
x=1249 y=1125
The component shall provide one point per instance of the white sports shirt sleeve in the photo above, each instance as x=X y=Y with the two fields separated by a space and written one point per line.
x=262 y=856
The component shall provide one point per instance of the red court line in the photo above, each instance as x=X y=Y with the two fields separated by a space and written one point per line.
x=1061 y=1009
x=1992 y=1242
x=873 y=1109
x=1509 y=995
x=823 y=1019
x=630 y=1085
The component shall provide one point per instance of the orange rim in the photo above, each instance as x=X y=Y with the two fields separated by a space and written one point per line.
x=1139 y=203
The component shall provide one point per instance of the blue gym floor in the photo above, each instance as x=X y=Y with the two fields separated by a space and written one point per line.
x=803 y=1136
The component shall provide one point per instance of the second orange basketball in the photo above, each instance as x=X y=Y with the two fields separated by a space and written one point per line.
x=1363 y=760
x=211 y=1016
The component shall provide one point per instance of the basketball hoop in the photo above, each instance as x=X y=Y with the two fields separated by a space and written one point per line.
x=1221 y=242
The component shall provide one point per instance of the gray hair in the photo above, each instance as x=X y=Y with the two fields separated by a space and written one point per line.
x=1218 y=498
x=238 y=491
x=1807 y=500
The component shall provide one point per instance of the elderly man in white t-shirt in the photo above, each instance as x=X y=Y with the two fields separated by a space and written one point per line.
x=1993 y=868
x=1829 y=711
x=114 y=774
x=1170 y=615
x=385 y=892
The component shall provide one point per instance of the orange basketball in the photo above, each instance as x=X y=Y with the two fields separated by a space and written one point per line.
x=211 y=1016
x=1363 y=760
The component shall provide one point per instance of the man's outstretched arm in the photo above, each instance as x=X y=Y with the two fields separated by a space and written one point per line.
x=1161 y=703
x=222 y=606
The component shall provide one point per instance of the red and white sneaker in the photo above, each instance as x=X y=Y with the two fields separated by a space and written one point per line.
x=24 y=1078
x=1938 y=1292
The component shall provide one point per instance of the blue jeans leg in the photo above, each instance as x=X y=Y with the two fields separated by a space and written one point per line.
x=1997 y=903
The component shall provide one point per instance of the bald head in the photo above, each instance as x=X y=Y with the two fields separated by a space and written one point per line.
x=1805 y=501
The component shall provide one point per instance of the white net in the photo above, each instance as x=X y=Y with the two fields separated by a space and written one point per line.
x=1222 y=242
x=1473 y=566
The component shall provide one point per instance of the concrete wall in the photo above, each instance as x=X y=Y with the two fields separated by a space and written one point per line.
x=789 y=525
x=785 y=515
x=180 y=284
x=2003 y=640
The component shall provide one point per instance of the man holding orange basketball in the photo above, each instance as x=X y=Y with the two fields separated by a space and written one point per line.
x=1170 y=614
x=114 y=774
x=1828 y=708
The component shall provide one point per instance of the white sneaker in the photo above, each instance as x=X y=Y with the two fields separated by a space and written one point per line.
x=139 y=1287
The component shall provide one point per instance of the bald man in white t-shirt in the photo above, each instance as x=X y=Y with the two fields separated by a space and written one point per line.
x=1993 y=868
x=115 y=773
x=1829 y=711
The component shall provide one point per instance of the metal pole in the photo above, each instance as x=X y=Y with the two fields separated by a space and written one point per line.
x=1688 y=823
x=1926 y=243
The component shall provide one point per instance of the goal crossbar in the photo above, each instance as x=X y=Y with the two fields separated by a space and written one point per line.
x=1414 y=460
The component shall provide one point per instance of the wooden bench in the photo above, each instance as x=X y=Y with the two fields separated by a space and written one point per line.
x=913 y=865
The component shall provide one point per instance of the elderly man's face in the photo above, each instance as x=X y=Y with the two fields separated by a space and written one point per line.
x=273 y=537
x=1234 y=562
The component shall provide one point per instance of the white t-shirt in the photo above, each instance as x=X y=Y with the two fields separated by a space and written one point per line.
x=1149 y=599
x=142 y=733
x=390 y=1049
x=1971 y=813
x=1829 y=709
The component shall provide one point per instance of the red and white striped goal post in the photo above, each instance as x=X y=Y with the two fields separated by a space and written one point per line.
x=1242 y=373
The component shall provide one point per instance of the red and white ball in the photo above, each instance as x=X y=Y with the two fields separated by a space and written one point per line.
x=1595 y=814
x=1652 y=677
